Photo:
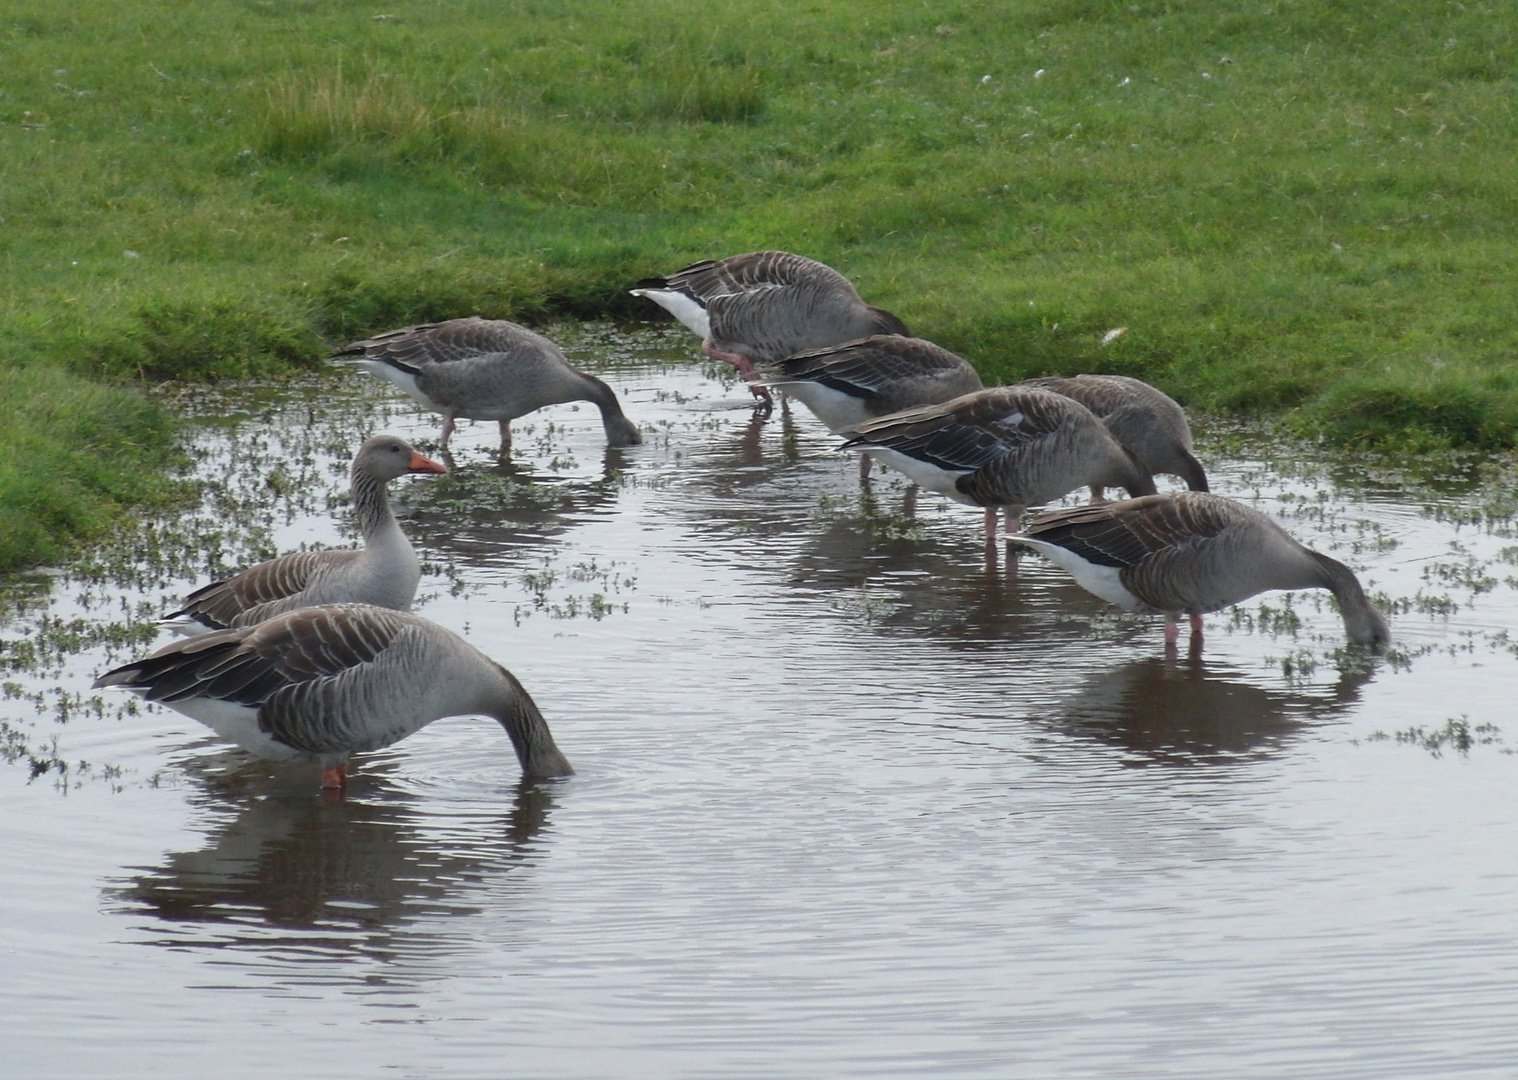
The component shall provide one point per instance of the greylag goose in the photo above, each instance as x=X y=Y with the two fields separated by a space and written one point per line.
x=850 y=384
x=766 y=305
x=385 y=571
x=1006 y=449
x=321 y=683
x=1151 y=424
x=1192 y=553
x=484 y=369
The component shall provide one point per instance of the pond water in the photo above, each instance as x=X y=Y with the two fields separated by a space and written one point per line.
x=852 y=799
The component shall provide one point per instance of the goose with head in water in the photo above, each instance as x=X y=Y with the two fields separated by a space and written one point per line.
x=484 y=369
x=858 y=381
x=1192 y=553
x=765 y=306
x=385 y=571
x=1004 y=449
x=322 y=683
x=1150 y=423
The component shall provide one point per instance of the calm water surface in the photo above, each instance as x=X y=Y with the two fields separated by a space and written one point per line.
x=851 y=801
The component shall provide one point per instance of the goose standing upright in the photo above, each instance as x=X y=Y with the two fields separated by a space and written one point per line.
x=385 y=571
x=853 y=383
x=1006 y=448
x=1192 y=553
x=1147 y=421
x=766 y=306
x=484 y=369
x=322 y=683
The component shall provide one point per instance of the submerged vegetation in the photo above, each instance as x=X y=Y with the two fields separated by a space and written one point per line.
x=1457 y=734
x=1294 y=208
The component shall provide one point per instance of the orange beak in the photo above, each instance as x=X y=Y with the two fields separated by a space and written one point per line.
x=421 y=464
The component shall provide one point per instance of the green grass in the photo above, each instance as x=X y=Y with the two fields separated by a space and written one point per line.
x=1300 y=208
x=75 y=454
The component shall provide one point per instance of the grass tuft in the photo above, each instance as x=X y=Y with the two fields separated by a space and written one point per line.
x=221 y=337
x=76 y=454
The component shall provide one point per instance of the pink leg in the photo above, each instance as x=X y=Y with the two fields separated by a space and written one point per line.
x=991 y=521
x=335 y=779
x=447 y=431
x=864 y=466
x=744 y=365
x=1172 y=630
x=1196 y=633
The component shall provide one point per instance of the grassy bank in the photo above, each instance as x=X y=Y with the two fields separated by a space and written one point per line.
x=1297 y=207
x=75 y=452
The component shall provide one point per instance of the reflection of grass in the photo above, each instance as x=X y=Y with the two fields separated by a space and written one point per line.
x=863 y=607
x=41 y=755
x=1459 y=735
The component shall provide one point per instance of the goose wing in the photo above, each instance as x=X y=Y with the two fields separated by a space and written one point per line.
x=871 y=366
x=222 y=603
x=249 y=664
x=1102 y=394
x=1124 y=534
x=968 y=432
x=307 y=675
x=413 y=348
x=710 y=279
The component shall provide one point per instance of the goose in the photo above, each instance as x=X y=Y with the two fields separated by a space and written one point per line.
x=1192 y=553
x=849 y=384
x=766 y=305
x=484 y=369
x=322 y=683
x=1151 y=424
x=385 y=571
x=1006 y=448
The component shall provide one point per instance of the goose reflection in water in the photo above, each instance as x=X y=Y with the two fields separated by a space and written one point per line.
x=922 y=577
x=293 y=880
x=489 y=512
x=1169 y=710
x=728 y=464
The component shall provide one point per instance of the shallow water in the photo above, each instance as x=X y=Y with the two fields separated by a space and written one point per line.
x=850 y=800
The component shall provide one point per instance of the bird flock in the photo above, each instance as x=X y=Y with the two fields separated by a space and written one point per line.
x=314 y=656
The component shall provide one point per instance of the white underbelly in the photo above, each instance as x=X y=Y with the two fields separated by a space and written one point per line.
x=839 y=411
x=237 y=724
x=921 y=473
x=682 y=307
x=403 y=379
x=1101 y=581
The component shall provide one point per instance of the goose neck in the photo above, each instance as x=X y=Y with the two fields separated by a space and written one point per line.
x=620 y=431
x=602 y=396
x=371 y=504
x=525 y=726
x=1362 y=622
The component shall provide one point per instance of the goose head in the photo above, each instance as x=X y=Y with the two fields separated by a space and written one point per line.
x=386 y=457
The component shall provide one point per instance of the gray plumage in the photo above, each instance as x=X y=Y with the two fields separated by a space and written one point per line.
x=484 y=369
x=321 y=683
x=1006 y=448
x=1193 y=553
x=855 y=382
x=1148 y=422
x=766 y=306
x=385 y=571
